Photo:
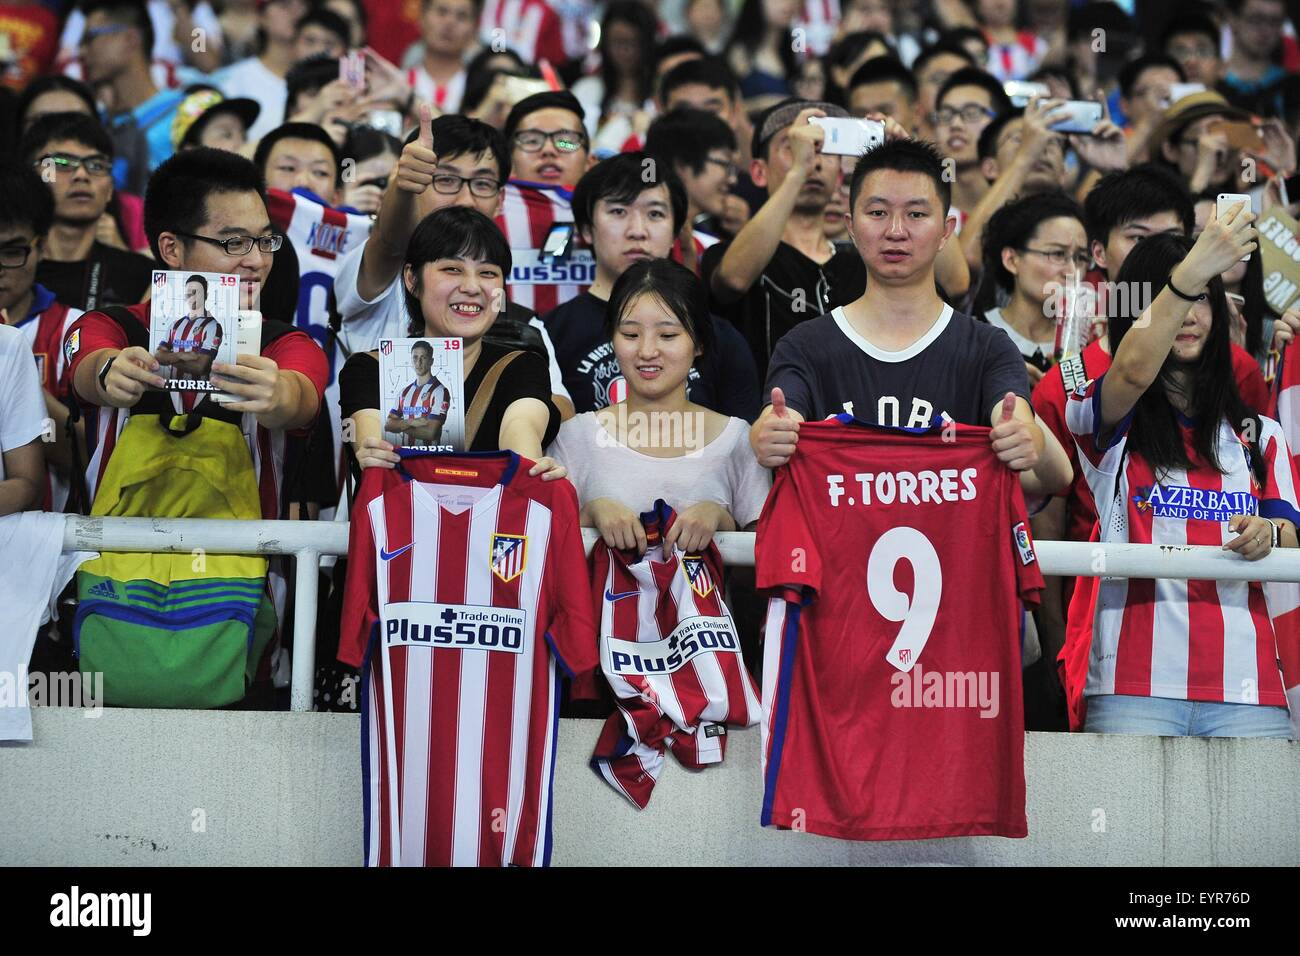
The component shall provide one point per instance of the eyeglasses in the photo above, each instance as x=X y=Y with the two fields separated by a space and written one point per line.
x=565 y=140
x=449 y=184
x=969 y=114
x=15 y=257
x=241 y=245
x=63 y=163
x=95 y=33
x=727 y=166
x=1059 y=257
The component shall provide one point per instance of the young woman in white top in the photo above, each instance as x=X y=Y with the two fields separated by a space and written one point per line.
x=655 y=443
x=1033 y=248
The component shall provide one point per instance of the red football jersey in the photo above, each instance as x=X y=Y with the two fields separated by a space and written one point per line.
x=892 y=704
x=671 y=654
x=460 y=603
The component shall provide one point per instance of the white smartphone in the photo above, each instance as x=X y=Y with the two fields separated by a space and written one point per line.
x=847 y=136
x=1021 y=92
x=1225 y=203
x=1081 y=116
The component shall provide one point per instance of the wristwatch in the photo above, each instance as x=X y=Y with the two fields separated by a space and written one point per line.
x=103 y=374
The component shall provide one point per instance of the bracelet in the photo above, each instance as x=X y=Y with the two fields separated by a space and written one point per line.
x=1169 y=284
x=103 y=374
x=1277 y=534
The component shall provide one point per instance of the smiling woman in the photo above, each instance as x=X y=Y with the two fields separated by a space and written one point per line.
x=454 y=283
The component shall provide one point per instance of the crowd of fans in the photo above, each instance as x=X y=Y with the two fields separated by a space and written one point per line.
x=719 y=264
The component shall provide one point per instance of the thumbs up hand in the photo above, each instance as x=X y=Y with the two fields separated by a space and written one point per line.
x=776 y=434
x=416 y=165
x=1013 y=439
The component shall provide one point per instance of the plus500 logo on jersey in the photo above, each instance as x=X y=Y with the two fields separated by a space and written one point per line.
x=694 y=636
x=470 y=627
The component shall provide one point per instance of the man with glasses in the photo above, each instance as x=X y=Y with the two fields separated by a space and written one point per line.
x=1253 y=71
x=967 y=103
x=549 y=152
x=204 y=212
x=701 y=149
x=449 y=161
x=73 y=155
x=1192 y=40
x=932 y=68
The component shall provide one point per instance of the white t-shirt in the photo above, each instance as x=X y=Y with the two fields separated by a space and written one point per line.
x=1025 y=346
x=22 y=407
x=251 y=79
x=365 y=322
x=724 y=471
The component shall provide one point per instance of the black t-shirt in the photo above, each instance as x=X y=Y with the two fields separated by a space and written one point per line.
x=723 y=379
x=527 y=377
x=107 y=276
x=791 y=289
x=960 y=367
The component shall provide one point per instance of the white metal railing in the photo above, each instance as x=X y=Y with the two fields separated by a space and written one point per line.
x=306 y=541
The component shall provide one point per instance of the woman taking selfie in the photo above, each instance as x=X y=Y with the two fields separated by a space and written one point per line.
x=454 y=277
x=1174 y=457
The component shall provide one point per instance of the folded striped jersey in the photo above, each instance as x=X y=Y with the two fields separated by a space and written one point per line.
x=670 y=652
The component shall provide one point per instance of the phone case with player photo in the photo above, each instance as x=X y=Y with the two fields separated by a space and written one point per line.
x=193 y=323
x=422 y=392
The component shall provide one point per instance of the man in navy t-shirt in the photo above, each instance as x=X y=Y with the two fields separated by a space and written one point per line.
x=899 y=356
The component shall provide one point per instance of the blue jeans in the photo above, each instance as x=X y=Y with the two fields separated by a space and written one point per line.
x=1166 y=717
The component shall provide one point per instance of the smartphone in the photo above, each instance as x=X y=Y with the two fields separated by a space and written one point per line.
x=522 y=87
x=1178 y=90
x=1225 y=203
x=387 y=121
x=1020 y=92
x=847 y=136
x=557 y=242
x=1240 y=134
x=352 y=69
x=1081 y=116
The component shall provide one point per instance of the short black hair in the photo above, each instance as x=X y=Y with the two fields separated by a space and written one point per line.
x=176 y=199
x=987 y=146
x=1013 y=226
x=687 y=136
x=848 y=48
x=307 y=131
x=550 y=100
x=453 y=232
x=365 y=142
x=902 y=156
x=622 y=178
x=132 y=13
x=77 y=127
x=308 y=76
x=677 y=287
x=198 y=277
x=327 y=19
x=943 y=46
x=1194 y=21
x=676 y=45
x=457 y=135
x=960 y=35
x=1134 y=69
x=423 y=345
x=709 y=71
x=25 y=200
x=973 y=76
x=48 y=84
x=1121 y=197
x=881 y=69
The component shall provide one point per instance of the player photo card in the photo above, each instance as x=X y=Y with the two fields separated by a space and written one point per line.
x=194 y=322
x=421 y=392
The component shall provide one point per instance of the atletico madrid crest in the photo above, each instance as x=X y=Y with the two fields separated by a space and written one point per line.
x=386 y=346
x=509 y=555
x=698 y=574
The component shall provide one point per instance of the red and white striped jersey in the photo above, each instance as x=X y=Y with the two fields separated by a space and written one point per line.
x=200 y=333
x=528 y=212
x=445 y=97
x=1284 y=598
x=671 y=654
x=44 y=330
x=529 y=27
x=1015 y=61
x=819 y=19
x=460 y=604
x=1188 y=640
x=428 y=400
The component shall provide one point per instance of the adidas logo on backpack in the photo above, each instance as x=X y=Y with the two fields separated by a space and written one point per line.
x=104 y=589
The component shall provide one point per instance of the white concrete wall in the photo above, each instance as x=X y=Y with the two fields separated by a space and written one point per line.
x=123 y=789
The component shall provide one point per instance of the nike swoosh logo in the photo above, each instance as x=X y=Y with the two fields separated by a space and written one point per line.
x=389 y=555
x=610 y=596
